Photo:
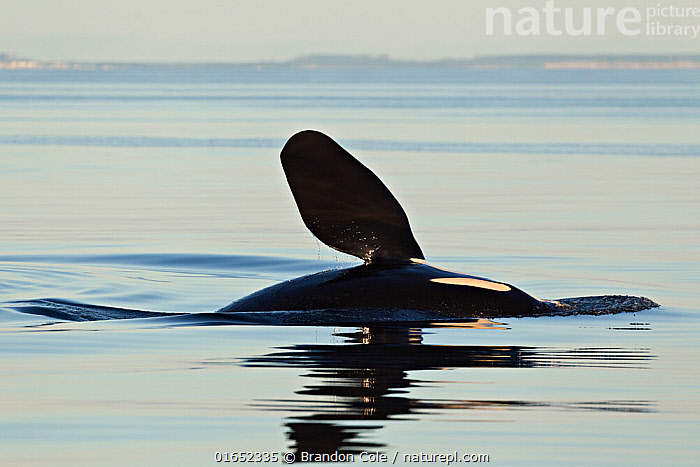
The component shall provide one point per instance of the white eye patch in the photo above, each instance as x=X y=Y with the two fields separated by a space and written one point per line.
x=482 y=284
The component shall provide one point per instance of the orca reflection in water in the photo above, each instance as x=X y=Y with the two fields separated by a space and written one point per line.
x=347 y=207
x=357 y=385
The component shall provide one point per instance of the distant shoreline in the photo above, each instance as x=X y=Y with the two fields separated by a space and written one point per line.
x=320 y=62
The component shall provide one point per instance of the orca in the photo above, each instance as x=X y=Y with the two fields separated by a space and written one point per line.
x=347 y=207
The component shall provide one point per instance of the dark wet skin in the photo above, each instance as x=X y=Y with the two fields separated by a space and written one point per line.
x=343 y=203
x=347 y=207
x=402 y=286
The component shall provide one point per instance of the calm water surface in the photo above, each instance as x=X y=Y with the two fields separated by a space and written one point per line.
x=162 y=190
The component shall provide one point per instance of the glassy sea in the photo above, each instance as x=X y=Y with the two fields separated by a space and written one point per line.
x=161 y=189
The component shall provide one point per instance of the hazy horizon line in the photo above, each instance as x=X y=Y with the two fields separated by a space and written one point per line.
x=336 y=59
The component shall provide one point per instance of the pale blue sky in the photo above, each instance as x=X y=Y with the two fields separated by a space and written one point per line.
x=250 y=30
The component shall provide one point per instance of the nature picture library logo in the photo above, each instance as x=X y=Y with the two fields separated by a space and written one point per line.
x=555 y=19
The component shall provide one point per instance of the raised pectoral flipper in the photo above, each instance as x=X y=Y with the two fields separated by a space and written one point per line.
x=343 y=203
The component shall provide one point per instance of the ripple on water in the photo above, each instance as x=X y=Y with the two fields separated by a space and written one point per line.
x=167 y=282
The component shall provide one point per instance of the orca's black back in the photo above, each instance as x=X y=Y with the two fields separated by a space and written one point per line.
x=343 y=203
